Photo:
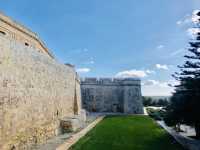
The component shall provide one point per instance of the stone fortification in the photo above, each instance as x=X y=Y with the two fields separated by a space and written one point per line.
x=36 y=91
x=20 y=33
x=112 y=95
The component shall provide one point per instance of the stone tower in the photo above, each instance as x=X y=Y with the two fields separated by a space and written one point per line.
x=112 y=95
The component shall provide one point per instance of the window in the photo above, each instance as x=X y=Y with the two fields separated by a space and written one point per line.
x=2 y=33
x=26 y=44
x=57 y=113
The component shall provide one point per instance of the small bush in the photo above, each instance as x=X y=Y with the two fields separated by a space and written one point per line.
x=156 y=114
x=148 y=101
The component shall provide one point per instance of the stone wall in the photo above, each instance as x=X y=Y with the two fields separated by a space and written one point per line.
x=112 y=95
x=36 y=92
x=18 y=32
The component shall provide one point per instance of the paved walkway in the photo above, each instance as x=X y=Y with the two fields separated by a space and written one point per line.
x=54 y=142
x=188 y=131
x=74 y=138
x=145 y=111
x=186 y=142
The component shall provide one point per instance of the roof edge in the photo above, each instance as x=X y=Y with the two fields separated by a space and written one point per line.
x=25 y=30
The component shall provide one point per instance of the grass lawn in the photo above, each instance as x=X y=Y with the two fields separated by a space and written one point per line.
x=127 y=133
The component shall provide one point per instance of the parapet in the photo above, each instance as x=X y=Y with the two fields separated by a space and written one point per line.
x=89 y=80
x=111 y=81
x=21 y=33
x=70 y=65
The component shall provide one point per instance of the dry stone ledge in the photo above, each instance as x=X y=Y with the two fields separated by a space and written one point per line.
x=74 y=138
x=71 y=124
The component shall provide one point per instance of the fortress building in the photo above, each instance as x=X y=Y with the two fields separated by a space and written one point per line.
x=112 y=95
x=40 y=97
x=36 y=92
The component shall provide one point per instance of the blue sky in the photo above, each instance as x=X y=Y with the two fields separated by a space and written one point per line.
x=112 y=38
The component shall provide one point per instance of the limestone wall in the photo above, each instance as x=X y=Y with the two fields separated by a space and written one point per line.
x=77 y=98
x=18 y=32
x=35 y=93
x=112 y=95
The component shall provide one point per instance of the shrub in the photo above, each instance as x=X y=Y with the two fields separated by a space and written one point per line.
x=157 y=114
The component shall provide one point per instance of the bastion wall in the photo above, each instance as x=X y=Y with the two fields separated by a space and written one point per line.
x=36 y=91
x=112 y=95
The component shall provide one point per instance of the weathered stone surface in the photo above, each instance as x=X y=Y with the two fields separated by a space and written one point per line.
x=36 y=91
x=70 y=124
x=83 y=115
x=112 y=95
x=74 y=138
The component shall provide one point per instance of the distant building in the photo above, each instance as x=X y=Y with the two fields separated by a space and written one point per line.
x=112 y=95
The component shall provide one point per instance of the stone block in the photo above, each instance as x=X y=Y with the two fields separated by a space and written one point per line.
x=70 y=124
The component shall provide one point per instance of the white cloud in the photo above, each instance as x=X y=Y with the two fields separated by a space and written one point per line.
x=193 y=31
x=154 y=82
x=185 y=20
x=150 y=82
x=164 y=67
x=173 y=82
x=195 y=17
x=134 y=73
x=131 y=73
x=160 y=46
x=188 y=19
x=90 y=61
x=155 y=90
x=150 y=71
x=83 y=70
x=179 y=22
x=158 y=88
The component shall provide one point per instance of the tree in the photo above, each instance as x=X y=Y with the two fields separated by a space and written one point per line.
x=147 y=101
x=185 y=103
x=162 y=102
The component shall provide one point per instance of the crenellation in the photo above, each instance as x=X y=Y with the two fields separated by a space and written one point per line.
x=90 y=80
x=105 y=80
x=111 y=81
x=70 y=65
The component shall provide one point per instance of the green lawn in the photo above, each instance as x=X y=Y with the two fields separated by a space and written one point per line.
x=127 y=133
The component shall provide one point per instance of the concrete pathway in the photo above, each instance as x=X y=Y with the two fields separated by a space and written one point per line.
x=56 y=141
x=188 y=131
x=145 y=111
x=186 y=142
x=74 y=138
